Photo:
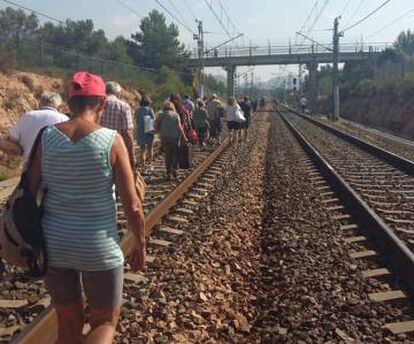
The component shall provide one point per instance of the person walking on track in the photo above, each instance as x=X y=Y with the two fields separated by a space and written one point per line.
x=117 y=116
x=76 y=165
x=235 y=118
x=214 y=111
x=247 y=107
x=169 y=127
x=145 y=133
x=23 y=133
x=201 y=123
x=185 y=115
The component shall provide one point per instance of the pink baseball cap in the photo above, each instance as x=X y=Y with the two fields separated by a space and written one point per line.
x=84 y=84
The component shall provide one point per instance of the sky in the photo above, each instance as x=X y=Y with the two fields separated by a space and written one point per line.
x=260 y=21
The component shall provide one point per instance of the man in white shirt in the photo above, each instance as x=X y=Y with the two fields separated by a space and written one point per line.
x=24 y=132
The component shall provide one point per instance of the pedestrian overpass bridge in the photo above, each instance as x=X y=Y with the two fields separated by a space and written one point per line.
x=310 y=56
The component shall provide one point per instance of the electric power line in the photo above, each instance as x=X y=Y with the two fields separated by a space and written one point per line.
x=34 y=11
x=367 y=16
x=129 y=8
x=219 y=18
x=174 y=17
x=309 y=16
x=357 y=8
x=318 y=16
x=190 y=9
x=235 y=28
x=406 y=14
x=345 y=7
x=177 y=11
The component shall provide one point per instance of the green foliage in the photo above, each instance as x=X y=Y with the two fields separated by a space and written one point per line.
x=62 y=49
x=365 y=88
x=215 y=86
x=16 y=22
x=157 y=44
x=169 y=82
x=405 y=42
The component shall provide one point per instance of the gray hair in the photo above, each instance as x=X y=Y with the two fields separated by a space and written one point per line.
x=112 y=87
x=51 y=99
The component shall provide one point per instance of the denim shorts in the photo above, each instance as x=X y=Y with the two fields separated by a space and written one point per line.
x=146 y=140
x=103 y=289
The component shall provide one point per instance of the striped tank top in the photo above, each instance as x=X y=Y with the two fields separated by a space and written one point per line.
x=79 y=221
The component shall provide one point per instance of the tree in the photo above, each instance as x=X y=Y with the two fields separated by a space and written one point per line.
x=118 y=51
x=157 y=44
x=16 y=22
x=76 y=35
x=405 y=42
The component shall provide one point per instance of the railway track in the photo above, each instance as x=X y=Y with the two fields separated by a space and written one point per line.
x=366 y=191
x=26 y=315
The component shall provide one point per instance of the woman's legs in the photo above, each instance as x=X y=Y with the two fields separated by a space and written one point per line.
x=103 y=289
x=167 y=148
x=65 y=289
x=150 y=154
x=174 y=157
x=142 y=150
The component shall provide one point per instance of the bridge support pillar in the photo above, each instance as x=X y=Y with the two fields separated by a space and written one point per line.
x=313 y=83
x=231 y=70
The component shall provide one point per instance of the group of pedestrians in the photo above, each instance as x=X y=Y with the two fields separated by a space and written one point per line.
x=82 y=159
x=79 y=163
x=238 y=116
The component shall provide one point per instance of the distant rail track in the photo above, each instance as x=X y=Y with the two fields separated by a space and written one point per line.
x=368 y=191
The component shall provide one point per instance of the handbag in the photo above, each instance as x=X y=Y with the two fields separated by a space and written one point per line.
x=192 y=136
x=22 y=241
x=240 y=115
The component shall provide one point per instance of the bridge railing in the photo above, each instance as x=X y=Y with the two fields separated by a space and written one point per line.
x=288 y=50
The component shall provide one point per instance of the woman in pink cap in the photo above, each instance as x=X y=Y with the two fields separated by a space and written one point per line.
x=77 y=165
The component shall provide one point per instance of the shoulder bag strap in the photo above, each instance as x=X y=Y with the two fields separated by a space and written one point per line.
x=25 y=175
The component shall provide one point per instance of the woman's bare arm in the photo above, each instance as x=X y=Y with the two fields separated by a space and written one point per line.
x=125 y=186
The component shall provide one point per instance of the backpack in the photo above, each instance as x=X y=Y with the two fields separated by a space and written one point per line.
x=22 y=242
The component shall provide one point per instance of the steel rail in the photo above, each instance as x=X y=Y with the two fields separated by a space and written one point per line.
x=43 y=330
x=394 y=251
x=393 y=159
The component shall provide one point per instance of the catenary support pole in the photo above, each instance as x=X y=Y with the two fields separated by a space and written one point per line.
x=231 y=69
x=335 y=72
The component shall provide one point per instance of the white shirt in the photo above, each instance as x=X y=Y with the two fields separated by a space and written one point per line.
x=231 y=112
x=26 y=129
x=303 y=101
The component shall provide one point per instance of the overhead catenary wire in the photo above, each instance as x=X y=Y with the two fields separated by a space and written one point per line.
x=174 y=17
x=309 y=16
x=345 y=8
x=356 y=9
x=219 y=19
x=406 y=14
x=367 y=16
x=318 y=16
x=178 y=12
x=189 y=8
x=34 y=11
x=129 y=8
x=316 y=19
